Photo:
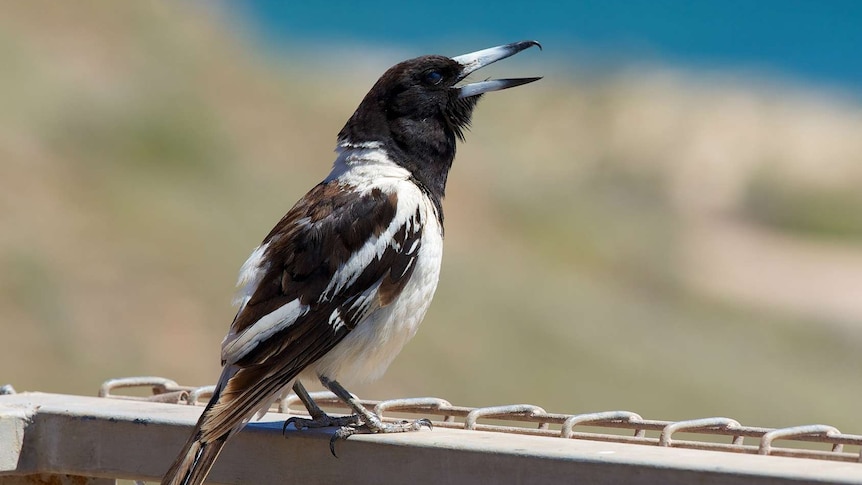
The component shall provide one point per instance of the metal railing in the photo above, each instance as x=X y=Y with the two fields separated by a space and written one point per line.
x=713 y=433
x=139 y=424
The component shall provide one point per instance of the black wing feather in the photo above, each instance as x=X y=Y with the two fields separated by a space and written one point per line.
x=305 y=250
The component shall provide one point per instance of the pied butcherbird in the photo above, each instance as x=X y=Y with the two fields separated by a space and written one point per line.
x=343 y=280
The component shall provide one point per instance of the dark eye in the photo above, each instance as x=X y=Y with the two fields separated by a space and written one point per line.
x=433 y=77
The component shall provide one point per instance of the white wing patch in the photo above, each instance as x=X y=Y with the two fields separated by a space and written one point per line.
x=237 y=346
x=374 y=248
x=250 y=275
x=335 y=321
x=365 y=303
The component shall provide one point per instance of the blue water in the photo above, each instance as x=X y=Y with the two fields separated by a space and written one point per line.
x=810 y=41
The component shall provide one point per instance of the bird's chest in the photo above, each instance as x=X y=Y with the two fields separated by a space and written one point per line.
x=366 y=352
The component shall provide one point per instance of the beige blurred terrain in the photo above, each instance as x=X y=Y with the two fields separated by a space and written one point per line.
x=678 y=244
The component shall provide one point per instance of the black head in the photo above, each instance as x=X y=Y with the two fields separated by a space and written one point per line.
x=416 y=111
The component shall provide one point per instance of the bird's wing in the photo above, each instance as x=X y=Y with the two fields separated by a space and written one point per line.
x=334 y=258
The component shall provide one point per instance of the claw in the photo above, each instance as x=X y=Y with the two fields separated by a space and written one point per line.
x=290 y=421
x=332 y=445
x=342 y=433
x=374 y=427
x=323 y=421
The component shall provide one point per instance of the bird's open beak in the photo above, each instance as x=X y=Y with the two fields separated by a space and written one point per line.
x=479 y=59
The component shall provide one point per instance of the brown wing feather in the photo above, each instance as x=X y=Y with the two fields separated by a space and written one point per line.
x=305 y=250
x=315 y=238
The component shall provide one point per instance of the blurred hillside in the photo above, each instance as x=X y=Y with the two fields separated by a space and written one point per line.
x=672 y=243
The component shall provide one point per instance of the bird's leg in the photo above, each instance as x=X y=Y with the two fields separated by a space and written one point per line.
x=371 y=423
x=319 y=419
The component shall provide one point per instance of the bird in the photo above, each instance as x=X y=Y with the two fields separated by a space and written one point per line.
x=342 y=281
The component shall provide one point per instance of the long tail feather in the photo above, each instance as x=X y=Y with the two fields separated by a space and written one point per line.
x=193 y=464
x=239 y=394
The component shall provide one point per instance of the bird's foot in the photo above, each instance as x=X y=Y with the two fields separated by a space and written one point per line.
x=321 y=421
x=373 y=426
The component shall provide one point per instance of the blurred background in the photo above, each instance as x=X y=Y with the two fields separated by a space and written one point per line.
x=669 y=223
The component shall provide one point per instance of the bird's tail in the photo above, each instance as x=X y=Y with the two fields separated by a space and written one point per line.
x=229 y=409
x=193 y=464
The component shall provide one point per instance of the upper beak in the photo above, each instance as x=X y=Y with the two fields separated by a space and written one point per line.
x=479 y=59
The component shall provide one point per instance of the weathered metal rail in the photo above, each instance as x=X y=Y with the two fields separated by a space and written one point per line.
x=135 y=437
